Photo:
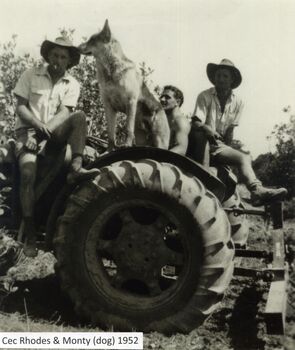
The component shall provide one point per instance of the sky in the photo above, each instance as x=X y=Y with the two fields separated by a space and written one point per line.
x=177 y=39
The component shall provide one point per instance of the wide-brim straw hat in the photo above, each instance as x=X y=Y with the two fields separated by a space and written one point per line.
x=47 y=45
x=225 y=63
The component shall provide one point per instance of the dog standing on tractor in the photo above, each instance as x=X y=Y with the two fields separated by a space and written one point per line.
x=123 y=90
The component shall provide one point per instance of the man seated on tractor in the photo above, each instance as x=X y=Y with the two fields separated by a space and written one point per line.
x=217 y=112
x=171 y=100
x=46 y=98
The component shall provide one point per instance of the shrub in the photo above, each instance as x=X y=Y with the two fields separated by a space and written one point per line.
x=278 y=169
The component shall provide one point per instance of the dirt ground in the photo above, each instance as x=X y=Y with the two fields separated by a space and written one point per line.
x=38 y=305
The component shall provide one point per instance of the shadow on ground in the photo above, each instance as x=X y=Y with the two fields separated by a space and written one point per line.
x=41 y=299
x=244 y=322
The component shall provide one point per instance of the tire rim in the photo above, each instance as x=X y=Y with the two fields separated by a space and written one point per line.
x=141 y=250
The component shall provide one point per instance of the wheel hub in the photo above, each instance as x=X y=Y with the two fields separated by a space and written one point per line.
x=137 y=245
x=139 y=249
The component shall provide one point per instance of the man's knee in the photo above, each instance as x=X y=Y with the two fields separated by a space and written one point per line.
x=78 y=118
x=244 y=159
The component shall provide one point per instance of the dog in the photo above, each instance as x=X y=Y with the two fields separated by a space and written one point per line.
x=123 y=90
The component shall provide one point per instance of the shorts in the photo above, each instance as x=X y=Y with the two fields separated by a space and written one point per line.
x=21 y=136
x=218 y=147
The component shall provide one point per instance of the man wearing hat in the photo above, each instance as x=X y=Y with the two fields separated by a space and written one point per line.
x=217 y=112
x=46 y=98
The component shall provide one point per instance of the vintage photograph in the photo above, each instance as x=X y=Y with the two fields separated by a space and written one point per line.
x=147 y=171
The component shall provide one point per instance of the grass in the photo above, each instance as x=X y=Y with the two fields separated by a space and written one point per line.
x=237 y=325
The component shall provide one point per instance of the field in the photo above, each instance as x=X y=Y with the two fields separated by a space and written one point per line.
x=38 y=305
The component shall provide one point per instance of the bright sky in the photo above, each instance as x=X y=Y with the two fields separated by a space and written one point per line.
x=177 y=38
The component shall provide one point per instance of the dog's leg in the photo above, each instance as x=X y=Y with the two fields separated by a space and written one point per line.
x=111 y=117
x=131 y=112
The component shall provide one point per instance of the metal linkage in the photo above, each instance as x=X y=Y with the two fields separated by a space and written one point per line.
x=276 y=272
x=240 y=211
x=266 y=274
x=275 y=310
x=273 y=211
x=249 y=253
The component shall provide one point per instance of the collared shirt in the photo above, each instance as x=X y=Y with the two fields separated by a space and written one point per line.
x=208 y=110
x=44 y=98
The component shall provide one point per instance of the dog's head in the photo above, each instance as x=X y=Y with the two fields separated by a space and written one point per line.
x=97 y=42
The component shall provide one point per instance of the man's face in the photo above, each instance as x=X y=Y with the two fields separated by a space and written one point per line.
x=59 y=59
x=223 y=79
x=168 y=100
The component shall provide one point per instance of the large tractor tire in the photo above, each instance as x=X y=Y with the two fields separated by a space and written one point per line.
x=145 y=247
x=239 y=223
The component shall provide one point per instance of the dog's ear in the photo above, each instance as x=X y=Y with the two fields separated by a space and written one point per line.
x=106 y=32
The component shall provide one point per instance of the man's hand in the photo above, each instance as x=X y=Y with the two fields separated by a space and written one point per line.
x=31 y=143
x=28 y=118
x=43 y=130
x=211 y=134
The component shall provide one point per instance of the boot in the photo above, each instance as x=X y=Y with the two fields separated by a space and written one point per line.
x=30 y=246
x=76 y=176
x=261 y=195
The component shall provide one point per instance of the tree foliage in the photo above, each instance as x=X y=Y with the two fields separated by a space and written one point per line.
x=278 y=169
x=12 y=65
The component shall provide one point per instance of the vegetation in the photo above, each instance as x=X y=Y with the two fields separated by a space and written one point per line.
x=224 y=329
x=274 y=169
x=13 y=65
x=278 y=168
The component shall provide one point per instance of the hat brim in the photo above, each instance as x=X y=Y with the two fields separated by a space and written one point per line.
x=74 y=52
x=212 y=68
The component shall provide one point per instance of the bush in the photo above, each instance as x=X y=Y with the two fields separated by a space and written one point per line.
x=278 y=169
x=289 y=209
x=13 y=65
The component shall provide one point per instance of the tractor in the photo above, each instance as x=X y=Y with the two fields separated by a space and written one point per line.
x=150 y=243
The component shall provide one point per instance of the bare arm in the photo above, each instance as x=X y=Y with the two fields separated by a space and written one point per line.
x=208 y=131
x=229 y=135
x=28 y=117
x=59 y=118
x=200 y=117
x=182 y=130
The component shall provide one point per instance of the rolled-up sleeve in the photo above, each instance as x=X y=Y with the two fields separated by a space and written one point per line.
x=200 y=110
x=23 y=85
x=71 y=97
x=238 y=114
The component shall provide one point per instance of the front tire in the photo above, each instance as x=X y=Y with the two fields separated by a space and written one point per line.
x=144 y=247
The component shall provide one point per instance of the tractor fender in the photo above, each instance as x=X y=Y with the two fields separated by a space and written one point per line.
x=211 y=182
x=189 y=166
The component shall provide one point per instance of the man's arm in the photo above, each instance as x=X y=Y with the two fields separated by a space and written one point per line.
x=62 y=115
x=28 y=117
x=182 y=130
x=200 y=116
x=66 y=106
x=207 y=130
x=229 y=135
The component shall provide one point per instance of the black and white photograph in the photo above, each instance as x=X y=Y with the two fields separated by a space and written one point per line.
x=147 y=174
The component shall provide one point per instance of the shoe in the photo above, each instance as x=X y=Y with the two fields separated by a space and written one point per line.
x=81 y=175
x=261 y=195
